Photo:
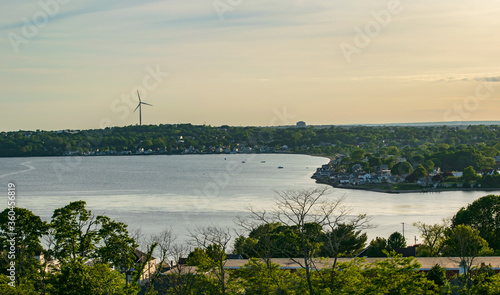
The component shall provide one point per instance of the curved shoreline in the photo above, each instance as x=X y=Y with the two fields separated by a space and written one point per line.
x=424 y=190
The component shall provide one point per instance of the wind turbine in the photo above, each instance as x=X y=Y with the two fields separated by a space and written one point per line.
x=139 y=106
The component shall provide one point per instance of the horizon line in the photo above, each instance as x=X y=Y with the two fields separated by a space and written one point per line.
x=415 y=124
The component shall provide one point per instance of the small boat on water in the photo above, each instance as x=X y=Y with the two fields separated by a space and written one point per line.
x=243 y=162
x=262 y=161
x=280 y=167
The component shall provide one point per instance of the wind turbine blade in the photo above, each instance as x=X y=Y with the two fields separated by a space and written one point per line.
x=137 y=107
x=147 y=104
x=138 y=96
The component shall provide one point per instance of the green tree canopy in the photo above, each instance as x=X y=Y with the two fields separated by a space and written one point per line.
x=374 y=162
x=358 y=155
x=420 y=171
x=484 y=215
x=79 y=235
x=78 y=278
x=465 y=242
x=402 y=168
x=28 y=229
x=433 y=238
x=396 y=240
x=428 y=165
x=469 y=174
x=377 y=247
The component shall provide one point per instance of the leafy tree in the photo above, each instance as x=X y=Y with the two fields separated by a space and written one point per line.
x=416 y=159
x=396 y=240
x=262 y=240
x=433 y=238
x=358 y=155
x=398 y=275
x=344 y=240
x=466 y=244
x=390 y=162
x=428 y=165
x=24 y=287
x=469 y=174
x=402 y=168
x=374 y=162
x=489 y=181
x=451 y=179
x=117 y=247
x=259 y=278
x=420 y=172
x=485 y=282
x=75 y=232
x=78 y=278
x=484 y=215
x=247 y=247
x=213 y=242
x=393 y=150
x=79 y=235
x=437 y=274
x=28 y=229
x=377 y=247
x=350 y=278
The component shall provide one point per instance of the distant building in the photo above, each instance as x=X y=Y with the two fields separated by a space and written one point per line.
x=301 y=124
x=149 y=268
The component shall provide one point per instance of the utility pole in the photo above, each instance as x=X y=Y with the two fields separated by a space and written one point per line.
x=403 y=230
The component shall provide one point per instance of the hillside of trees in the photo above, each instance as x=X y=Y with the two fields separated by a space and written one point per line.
x=451 y=148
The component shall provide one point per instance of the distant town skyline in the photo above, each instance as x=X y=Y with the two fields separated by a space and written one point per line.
x=78 y=65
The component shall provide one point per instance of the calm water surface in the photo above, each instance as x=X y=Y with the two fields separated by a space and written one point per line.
x=182 y=192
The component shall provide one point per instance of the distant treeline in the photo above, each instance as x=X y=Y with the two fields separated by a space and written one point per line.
x=451 y=148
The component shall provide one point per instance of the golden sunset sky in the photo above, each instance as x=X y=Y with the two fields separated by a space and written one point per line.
x=72 y=64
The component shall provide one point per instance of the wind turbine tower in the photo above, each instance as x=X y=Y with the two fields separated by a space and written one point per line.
x=139 y=106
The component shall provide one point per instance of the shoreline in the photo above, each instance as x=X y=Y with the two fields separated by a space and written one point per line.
x=169 y=154
x=423 y=190
x=318 y=181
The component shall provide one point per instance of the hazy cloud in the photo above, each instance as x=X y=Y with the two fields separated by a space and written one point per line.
x=488 y=79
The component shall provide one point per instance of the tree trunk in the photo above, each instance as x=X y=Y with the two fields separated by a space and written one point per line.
x=308 y=276
x=332 y=273
x=222 y=277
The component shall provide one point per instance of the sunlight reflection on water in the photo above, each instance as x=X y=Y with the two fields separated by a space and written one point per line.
x=155 y=192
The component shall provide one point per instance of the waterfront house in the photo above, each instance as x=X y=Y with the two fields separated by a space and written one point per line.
x=344 y=179
x=384 y=167
x=366 y=177
x=149 y=269
x=489 y=172
x=356 y=168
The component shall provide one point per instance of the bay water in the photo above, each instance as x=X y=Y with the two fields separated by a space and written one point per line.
x=187 y=191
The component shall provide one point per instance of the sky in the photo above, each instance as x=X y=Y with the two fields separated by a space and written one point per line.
x=72 y=64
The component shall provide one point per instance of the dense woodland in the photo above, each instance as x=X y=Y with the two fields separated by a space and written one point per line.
x=94 y=253
x=450 y=148
x=397 y=141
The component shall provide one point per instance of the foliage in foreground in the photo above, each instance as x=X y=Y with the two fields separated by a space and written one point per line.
x=88 y=247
